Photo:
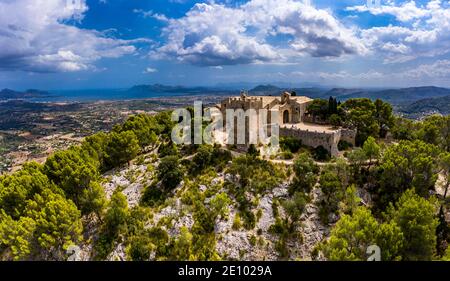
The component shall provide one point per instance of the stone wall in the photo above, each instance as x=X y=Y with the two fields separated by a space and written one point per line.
x=348 y=135
x=328 y=140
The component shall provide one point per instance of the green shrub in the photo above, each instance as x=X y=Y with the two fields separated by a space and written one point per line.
x=252 y=240
x=344 y=145
x=253 y=151
x=237 y=224
x=290 y=144
x=140 y=248
x=305 y=174
x=249 y=219
x=321 y=154
x=169 y=172
x=287 y=155
x=167 y=149
x=209 y=157
x=153 y=196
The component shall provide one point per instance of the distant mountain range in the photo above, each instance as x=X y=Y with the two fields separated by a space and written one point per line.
x=427 y=106
x=404 y=96
x=274 y=90
x=399 y=96
x=237 y=86
x=395 y=96
x=266 y=88
x=413 y=101
x=7 y=94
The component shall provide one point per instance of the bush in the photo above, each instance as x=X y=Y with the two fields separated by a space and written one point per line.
x=335 y=120
x=116 y=214
x=219 y=204
x=344 y=145
x=151 y=243
x=167 y=149
x=153 y=196
x=249 y=219
x=333 y=193
x=209 y=156
x=305 y=174
x=285 y=231
x=287 y=155
x=237 y=224
x=140 y=248
x=321 y=154
x=114 y=225
x=256 y=174
x=202 y=159
x=252 y=240
x=290 y=144
x=220 y=157
x=252 y=151
x=295 y=206
x=169 y=172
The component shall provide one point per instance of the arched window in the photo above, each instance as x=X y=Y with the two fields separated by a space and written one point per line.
x=286 y=116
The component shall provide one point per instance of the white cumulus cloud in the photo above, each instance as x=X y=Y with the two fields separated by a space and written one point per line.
x=36 y=36
x=423 y=32
x=150 y=70
x=405 y=12
x=438 y=69
x=212 y=34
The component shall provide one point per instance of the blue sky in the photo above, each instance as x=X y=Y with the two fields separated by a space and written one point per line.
x=55 y=44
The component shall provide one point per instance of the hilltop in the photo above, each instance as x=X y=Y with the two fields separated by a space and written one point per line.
x=7 y=94
x=396 y=96
x=427 y=106
x=130 y=193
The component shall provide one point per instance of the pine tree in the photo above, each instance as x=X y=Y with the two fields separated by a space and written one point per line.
x=416 y=217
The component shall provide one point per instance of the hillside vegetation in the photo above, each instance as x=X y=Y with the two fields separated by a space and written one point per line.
x=132 y=194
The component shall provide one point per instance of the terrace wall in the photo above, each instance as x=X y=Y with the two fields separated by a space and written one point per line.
x=329 y=140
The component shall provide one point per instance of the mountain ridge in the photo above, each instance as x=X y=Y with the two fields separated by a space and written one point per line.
x=6 y=94
x=426 y=106
x=400 y=96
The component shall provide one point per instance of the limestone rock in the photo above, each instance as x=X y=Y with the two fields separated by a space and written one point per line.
x=366 y=197
x=202 y=188
x=133 y=193
x=233 y=244
x=118 y=254
x=267 y=219
x=281 y=191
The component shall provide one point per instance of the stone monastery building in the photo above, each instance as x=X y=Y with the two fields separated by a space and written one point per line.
x=292 y=119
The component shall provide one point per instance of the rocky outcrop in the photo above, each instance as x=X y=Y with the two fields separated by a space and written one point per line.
x=236 y=244
x=313 y=230
x=242 y=244
x=132 y=180
x=118 y=254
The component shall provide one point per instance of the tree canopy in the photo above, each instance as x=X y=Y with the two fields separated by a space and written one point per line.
x=353 y=234
x=408 y=164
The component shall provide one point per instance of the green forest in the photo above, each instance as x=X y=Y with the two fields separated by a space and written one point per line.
x=402 y=164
